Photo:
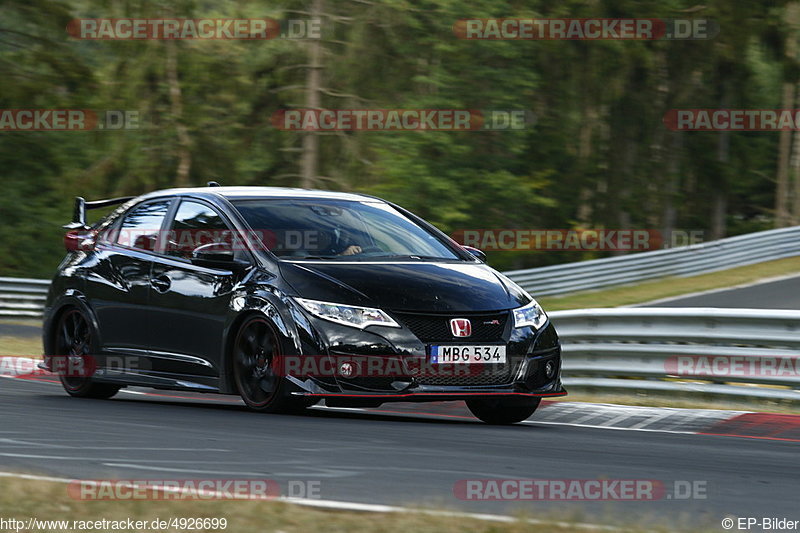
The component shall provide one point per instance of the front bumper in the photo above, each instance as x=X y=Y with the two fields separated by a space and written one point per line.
x=533 y=368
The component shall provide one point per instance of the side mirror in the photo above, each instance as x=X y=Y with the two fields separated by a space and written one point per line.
x=477 y=253
x=214 y=255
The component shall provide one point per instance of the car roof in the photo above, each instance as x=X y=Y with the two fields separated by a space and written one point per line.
x=243 y=193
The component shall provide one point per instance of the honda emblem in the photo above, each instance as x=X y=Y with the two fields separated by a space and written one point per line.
x=461 y=327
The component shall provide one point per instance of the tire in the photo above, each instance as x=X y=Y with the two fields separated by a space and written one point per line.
x=255 y=355
x=503 y=411
x=76 y=341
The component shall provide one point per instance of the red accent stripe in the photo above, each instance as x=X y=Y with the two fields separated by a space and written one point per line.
x=454 y=395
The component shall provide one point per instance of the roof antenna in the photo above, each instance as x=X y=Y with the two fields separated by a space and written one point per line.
x=212 y=184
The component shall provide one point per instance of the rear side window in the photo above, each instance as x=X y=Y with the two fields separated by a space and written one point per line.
x=142 y=225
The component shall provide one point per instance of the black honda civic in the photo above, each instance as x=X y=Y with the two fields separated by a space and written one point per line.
x=287 y=297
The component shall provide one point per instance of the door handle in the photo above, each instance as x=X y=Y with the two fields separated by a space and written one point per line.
x=161 y=284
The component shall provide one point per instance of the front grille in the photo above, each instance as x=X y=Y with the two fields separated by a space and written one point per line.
x=370 y=383
x=501 y=374
x=436 y=328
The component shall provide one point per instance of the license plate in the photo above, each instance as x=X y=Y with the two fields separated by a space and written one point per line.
x=468 y=354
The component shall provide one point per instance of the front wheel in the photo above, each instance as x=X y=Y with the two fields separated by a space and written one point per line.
x=256 y=356
x=501 y=411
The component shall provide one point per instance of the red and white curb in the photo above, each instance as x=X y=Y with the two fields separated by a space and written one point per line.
x=746 y=424
x=671 y=420
x=771 y=426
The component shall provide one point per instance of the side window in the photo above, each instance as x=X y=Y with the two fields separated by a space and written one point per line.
x=142 y=225
x=195 y=224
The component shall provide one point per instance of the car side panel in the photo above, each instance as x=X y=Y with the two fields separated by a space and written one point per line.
x=118 y=287
x=187 y=320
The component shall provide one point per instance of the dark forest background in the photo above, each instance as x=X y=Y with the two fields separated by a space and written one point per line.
x=597 y=156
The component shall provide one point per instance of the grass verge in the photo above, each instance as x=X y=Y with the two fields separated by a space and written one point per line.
x=21 y=346
x=22 y=499
x=667 y=287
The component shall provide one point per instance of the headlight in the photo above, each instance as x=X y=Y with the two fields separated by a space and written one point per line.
x=349 y=315
x=530 y=315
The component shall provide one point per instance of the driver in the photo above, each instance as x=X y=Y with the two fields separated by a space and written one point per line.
x=351 y=250
x=343 y=243
x=327 y=242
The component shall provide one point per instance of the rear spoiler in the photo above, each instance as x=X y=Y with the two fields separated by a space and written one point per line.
x=81 y=205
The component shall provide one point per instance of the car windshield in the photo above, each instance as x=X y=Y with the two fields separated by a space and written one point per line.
x=296 y=229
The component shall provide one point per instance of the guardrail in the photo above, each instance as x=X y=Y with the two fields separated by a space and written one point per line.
x=22 y=298
x=745 y=353
x=684 y=261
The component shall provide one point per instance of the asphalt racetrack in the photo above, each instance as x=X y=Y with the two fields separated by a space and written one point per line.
x=778 y=294
x=410 y=454
x=400 y=454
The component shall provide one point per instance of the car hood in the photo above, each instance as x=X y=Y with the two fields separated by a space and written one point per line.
x=418 y=286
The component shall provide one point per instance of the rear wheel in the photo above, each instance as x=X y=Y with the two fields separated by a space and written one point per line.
x=256 y=356
x=74 y=345
x=503 y=410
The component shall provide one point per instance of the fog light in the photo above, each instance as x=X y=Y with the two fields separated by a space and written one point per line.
x=550 y=369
